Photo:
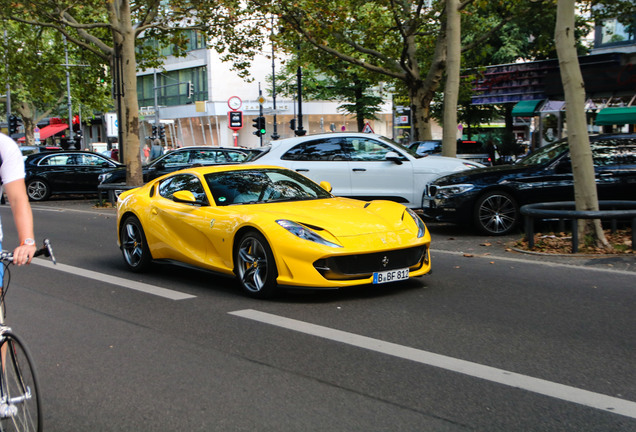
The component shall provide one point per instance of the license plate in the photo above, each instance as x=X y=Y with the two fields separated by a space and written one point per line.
x=390 y=276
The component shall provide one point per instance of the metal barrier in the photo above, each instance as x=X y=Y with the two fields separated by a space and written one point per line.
x=113 y=190
x=562 y=210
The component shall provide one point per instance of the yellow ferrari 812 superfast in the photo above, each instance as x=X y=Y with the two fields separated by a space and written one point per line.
x=270 y=227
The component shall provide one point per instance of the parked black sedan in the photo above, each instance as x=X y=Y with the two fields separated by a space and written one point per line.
x=65 y=172
x=184 y=157
x=490 y=198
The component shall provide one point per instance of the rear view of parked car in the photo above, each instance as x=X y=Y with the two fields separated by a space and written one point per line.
x=490 y=198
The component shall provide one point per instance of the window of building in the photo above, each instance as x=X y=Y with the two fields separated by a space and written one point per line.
x=172 y=87
x=612 y=32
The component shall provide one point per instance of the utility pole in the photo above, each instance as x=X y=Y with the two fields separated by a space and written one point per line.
x=300 y=131
x=68 y=94
x=275 y=135
x=6 y=40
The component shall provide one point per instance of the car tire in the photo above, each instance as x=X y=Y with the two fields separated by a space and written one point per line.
x=254 y=266
x=134 y=246
x=38 y=190
x=496 y=213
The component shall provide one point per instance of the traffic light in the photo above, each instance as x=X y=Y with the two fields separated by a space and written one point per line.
x=13 y=124
x=162 y=132
x=292 y=124
x=259 y=124
x=189 y=89
x=154 y=131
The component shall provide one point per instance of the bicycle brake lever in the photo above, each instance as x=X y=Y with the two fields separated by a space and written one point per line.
x=49 y=250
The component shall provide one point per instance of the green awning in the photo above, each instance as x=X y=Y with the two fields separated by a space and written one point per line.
x=616 y=116
x=526 y=108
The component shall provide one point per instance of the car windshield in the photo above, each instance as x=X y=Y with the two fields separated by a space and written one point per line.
x=397 y=146
x=544 y=154
x=261 y=186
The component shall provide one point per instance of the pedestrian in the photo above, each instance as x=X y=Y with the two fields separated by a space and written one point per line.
x=12 y=176
x=146 y=154
x=156 y=150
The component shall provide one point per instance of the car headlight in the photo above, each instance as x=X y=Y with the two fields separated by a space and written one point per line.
x=447 y=191
x=305 y=233
x=421 y=228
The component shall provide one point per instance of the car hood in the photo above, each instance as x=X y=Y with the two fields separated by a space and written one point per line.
x=488 y=174
x=443 y=164
x=342 y=217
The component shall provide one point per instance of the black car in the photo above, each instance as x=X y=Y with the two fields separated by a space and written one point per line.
x=65 y=172
x=184 y=157
x=490 y=198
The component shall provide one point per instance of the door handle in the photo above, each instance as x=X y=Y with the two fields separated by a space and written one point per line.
x=359 y=169
x=302 y=170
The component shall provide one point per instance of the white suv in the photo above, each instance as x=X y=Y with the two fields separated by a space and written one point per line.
x=361 y=165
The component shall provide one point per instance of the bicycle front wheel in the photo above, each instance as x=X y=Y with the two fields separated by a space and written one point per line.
x=19 y=397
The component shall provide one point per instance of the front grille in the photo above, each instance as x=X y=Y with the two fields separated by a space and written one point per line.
x=364 y=265
x=431 y=190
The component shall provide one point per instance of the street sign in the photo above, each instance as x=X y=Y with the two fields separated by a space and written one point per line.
x=234 y=102
x=235 y=120
x=367 y=128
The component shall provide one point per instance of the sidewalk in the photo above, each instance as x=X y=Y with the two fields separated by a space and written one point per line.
x=468 y=244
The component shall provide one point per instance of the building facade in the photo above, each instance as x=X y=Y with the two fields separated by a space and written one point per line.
x=189 y=98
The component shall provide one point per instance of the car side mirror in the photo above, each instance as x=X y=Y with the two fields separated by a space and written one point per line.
x=393 y=157
x=185 y=197
x=326 y=186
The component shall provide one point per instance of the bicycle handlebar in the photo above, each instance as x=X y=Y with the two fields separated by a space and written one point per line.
x=46 y=250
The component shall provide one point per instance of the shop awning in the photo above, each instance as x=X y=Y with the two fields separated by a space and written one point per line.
x=526 y=108
x=616 y=116
x=50 y=130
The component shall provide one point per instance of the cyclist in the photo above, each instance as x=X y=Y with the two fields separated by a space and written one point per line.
x=12 y=181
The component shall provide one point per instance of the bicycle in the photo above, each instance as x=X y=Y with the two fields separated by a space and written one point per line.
x=19 y=397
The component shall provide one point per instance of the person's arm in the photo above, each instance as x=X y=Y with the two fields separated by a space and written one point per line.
x=23 y=217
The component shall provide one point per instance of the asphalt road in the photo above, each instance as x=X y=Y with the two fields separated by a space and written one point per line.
x=492 y=340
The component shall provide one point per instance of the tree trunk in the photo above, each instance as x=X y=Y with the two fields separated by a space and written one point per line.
x=580 y=151
x=124 y=37
x=451 y=89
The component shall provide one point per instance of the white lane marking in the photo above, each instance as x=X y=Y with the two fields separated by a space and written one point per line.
x=124 y=283
x=512 y=379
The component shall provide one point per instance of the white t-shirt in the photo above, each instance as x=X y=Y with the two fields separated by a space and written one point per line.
x=12 y=167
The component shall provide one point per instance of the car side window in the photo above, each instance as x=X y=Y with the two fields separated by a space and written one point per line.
x=363 y=149
x=56 y=160
x=231 y=156
x=321 y=150
x=176 y=158
x=181 y=182
x=86 y=159
x=204 y=157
